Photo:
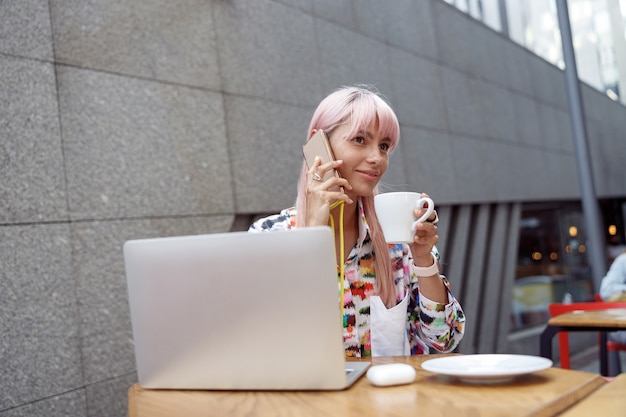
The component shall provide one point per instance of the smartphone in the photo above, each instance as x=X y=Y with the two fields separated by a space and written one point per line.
x=318 y=145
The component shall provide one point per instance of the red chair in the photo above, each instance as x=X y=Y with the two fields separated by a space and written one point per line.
x=558 y=308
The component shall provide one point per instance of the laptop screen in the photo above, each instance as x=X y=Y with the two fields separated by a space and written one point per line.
x=236 y=311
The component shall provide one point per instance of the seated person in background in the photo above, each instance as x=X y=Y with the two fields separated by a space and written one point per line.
x=389 y=305
x=613 y=288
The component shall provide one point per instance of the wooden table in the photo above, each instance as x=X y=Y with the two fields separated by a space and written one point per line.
x=608 y=401
x=612 y=319
x=544 y=393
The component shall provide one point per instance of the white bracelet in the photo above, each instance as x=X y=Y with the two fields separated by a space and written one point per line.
x=428 y=271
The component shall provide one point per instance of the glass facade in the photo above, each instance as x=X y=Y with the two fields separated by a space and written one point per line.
x=598 y=31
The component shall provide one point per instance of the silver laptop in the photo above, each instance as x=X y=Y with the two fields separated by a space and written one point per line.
x=238 y=311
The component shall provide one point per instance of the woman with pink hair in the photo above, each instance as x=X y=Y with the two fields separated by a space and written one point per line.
x=394 y=300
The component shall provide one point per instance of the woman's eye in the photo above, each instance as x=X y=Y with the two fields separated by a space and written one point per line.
x=385 y=147
x=359 y=139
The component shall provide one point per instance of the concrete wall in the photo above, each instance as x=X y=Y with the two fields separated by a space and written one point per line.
x=122 y=120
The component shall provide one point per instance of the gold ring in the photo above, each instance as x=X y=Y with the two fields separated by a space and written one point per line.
x=317 y=177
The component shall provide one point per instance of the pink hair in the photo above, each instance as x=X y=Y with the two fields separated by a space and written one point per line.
x=360 y=106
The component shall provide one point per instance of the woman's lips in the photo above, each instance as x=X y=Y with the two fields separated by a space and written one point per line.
x=372 y=175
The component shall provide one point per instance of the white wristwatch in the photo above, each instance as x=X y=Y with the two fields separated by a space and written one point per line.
x=428 y=271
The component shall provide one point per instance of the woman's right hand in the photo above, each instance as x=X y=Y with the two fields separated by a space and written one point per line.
x=320 y=194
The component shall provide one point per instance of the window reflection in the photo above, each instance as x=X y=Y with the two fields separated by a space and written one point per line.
x=597 y=29
x=552 y=263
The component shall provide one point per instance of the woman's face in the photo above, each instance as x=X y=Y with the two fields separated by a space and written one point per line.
x=365 y=157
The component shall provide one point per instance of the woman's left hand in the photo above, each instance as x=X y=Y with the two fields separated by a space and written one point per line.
x=424 y=239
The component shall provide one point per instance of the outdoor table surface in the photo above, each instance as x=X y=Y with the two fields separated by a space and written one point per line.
x=542 y=393
x=612 y=318
x=608 y=401
x=608 y=320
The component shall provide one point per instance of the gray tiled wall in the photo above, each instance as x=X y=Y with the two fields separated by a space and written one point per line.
x=40 y=352
x=163 y=40
x=122 y=120
x=134 y=147
x=25 y=29
x=31 y=158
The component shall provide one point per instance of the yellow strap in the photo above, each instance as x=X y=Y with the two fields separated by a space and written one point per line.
x=341 y=205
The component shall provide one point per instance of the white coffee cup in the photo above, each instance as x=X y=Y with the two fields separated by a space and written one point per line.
x=395 y=214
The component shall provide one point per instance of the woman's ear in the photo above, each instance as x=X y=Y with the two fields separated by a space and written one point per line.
x=312 y=133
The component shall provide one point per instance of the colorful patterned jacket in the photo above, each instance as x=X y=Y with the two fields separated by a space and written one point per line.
x=429 y=324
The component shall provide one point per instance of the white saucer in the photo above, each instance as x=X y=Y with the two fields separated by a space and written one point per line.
x=494 y=368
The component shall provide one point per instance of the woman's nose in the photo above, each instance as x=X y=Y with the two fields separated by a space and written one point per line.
x=374 y=155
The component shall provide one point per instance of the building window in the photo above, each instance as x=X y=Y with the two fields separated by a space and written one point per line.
x=552 y=263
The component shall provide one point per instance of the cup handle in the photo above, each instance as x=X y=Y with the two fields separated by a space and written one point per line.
x=430 y=208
